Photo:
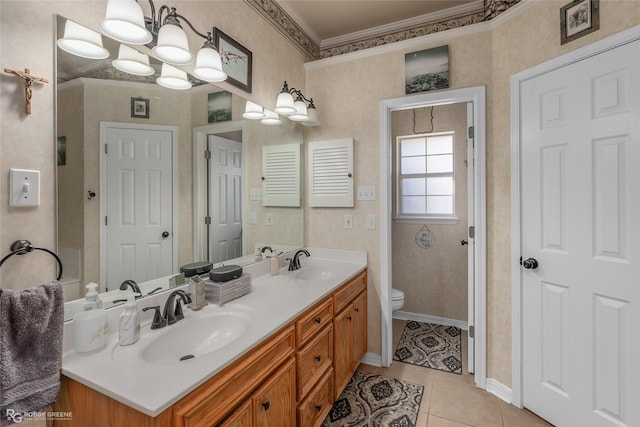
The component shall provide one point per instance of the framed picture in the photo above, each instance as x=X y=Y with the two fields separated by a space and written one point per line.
x=578 y=18
x=426 y=70
x=219 y=107
x=236 y=60
x=140 y=108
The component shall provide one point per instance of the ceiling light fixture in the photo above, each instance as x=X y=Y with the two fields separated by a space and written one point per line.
x=81 y=41
x=168 y=40
x=296 y=110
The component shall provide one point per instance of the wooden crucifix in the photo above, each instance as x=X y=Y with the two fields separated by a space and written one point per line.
x=29 y=79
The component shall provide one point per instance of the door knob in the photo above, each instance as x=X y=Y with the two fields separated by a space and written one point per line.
x=464 y=242
x=529 y=263
x=165 y=234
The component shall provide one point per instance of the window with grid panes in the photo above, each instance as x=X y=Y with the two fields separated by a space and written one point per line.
x=425 y=178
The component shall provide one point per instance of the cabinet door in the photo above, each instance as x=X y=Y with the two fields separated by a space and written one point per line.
x=359 y=329
x=342 y=348
x=241 y=417
x=274 y=403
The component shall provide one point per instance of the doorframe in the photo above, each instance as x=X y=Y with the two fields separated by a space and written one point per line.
x=200 y=184
x=517 y=80
x=104 y=125
x=475 y=95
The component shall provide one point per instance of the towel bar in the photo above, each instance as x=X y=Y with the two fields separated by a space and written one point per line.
x=21 y=247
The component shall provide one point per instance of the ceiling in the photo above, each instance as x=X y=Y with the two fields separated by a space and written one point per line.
x=330 y=22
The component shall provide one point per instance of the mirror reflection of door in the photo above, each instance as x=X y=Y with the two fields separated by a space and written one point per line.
x=225 y=198
x=138 y=197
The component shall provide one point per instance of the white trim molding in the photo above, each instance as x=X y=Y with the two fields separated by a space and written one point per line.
x=498 y=389
x=425 y=318
x=517 y=80
x=372 y=359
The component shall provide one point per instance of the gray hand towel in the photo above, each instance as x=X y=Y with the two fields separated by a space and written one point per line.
x=31 y=324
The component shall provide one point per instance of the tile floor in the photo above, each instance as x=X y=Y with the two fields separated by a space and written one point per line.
x=452 y=400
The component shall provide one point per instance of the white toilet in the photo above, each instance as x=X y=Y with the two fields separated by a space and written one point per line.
x=397 y=299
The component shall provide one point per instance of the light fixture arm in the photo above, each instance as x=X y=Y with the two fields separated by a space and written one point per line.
x=298 y=92
x=154 y=25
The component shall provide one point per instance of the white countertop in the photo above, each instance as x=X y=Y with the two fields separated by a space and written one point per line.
x=152 y=388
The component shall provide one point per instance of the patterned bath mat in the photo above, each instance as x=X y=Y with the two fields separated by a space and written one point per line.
x=371 y=400
x=432 y=346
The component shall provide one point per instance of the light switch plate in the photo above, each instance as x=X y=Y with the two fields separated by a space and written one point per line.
x=348 y=222
x=371 y=222
x=25 y=187
x=367 y=193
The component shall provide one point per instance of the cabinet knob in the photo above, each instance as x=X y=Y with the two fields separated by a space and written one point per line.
x=318 y=408
x=318 y=358
x=266 y=405
x=357 y=309
x=318 y=320
x=349 y=318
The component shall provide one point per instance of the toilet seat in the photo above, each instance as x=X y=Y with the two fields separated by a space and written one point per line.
x=397 y=299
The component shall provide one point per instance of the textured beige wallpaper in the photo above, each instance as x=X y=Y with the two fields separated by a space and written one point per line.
x=354 y=90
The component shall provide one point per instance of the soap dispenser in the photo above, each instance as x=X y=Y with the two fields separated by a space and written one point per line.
x=91 y=298
x=129 y=322
x=275 y=263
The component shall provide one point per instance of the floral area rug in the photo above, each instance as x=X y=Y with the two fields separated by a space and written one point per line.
x=432 y=346
x=371 y=400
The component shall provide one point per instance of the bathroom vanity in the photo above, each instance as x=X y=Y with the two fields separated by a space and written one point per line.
x=305 y=336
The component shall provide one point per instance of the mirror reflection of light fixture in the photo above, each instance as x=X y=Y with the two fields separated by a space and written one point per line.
x=173 y=78
x=270 y=118
x=81 y=41
x=252 y=111
x=124 y=22
x=133 y=62
x=296 y=110
x=165 y=36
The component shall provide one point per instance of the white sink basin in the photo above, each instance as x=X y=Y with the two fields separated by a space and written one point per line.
x=318 y=270
x=200 y=334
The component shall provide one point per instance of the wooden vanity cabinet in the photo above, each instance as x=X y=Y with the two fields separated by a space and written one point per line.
x=349 y=330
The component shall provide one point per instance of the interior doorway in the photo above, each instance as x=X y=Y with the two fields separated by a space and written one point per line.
x=475 y=99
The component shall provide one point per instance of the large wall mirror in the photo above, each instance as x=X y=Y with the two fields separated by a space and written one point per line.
x=137 y=197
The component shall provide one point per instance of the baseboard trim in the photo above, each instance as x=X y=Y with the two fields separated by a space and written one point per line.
x=416 y=317
x=499 y=390
x=372 y=359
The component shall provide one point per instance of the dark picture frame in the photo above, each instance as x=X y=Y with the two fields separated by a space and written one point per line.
x=579 y=18
x=426 y=70
x=237 y=60
x=140 y=108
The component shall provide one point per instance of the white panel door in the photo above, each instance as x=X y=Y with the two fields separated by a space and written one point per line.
x=139 y=198
x=225 y=199
x=580 y=222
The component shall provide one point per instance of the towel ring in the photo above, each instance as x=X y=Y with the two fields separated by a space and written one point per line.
x=21 y=247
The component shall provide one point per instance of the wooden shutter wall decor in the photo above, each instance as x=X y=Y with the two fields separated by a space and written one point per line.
x=331 y=173
x=281 y=175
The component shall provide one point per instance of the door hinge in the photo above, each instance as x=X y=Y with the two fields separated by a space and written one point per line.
x=207 y=220
x=207 y=154
x=472 y=331
x=105 y=220
x=470 y=131
x=472 y=232
x=106 y=149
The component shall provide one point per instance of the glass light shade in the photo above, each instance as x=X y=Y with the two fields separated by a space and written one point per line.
x=252 y=111
x=301 y=112
x=172 y=78
x=313 y=119
x=124 y=22
x=209 y=66
x=270 y=118
x=173 y=46
x=133 y=62
x=83 y=42
x=284 y=104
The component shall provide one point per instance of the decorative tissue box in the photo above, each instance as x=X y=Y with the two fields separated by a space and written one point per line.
x=220 y=293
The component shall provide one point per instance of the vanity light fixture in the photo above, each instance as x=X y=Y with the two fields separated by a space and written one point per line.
x=165 y=36
x=133 y=62
x=297 y=110
x=81 y=41
x=173 y=78
x=270 y=118
x=253 y=111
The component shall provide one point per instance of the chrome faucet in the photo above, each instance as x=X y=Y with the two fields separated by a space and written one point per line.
x=132 y=284
x=266 y=248
x=171 y=314
x=294 y=262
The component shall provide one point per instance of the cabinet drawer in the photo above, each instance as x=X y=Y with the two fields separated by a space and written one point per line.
x=209 y=403
x=241 y=417
x=349 y=291
x=313 y=410
x=312 y=322
x=313 y=360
